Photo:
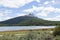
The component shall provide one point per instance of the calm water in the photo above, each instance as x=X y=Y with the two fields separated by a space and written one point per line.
x=6 y=28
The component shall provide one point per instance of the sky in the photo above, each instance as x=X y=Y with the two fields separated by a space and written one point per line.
x=45 y=9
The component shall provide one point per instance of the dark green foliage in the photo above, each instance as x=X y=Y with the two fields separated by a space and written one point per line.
x=56 y=31
x=57 y=38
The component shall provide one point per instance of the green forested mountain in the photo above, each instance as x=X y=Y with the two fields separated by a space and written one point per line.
x=28 y=21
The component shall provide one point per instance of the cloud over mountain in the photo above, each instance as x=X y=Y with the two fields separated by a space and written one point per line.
x=46 y=9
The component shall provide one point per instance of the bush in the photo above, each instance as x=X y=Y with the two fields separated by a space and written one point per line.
x=57 y=38
x=56 y=31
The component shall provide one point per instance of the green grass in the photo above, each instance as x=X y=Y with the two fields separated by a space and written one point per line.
x=26 y=35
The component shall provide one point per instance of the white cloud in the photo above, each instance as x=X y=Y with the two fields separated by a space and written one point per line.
x=53 y=1
x=44 y=11
x=5 y=18
x=57 y=10
x=47 y=2
x=14 y=3
x=42 y=14
x=28 y=10
x=52 y=19
x=40 y=8
x=21 y=14
x=1 y=19
x=57 y=18
x=8 y=18
x=34 y=8
x=4 y=14
x=38 y=0
x=1 y=14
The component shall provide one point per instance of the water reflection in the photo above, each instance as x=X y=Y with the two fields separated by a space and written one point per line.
x=4 y=28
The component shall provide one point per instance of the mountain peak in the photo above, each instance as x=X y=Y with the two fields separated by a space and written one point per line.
x=31 y=15
x=27 y=20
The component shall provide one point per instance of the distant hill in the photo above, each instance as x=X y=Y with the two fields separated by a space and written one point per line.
x=28 y=20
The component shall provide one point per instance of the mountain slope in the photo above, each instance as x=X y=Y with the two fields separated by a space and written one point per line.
x=27 y=21
x=17 y=20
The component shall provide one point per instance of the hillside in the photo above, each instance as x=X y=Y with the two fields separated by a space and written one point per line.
x=28 y=21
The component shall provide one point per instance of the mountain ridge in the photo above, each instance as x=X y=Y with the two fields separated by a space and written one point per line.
x=28 y=21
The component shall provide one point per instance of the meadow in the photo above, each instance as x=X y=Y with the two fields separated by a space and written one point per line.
x=40 y=34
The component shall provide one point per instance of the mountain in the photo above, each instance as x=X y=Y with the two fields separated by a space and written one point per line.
x=28 y=20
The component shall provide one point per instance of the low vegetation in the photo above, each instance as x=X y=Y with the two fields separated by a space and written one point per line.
x=33 y=35
x=56 y=31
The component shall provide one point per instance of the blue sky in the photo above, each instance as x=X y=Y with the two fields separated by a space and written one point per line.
x=45 y=9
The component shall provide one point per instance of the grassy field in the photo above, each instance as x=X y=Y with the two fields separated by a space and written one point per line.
x=40 y=34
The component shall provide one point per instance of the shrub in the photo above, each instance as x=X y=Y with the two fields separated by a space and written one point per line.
x=57 y=38
x=56 y=31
